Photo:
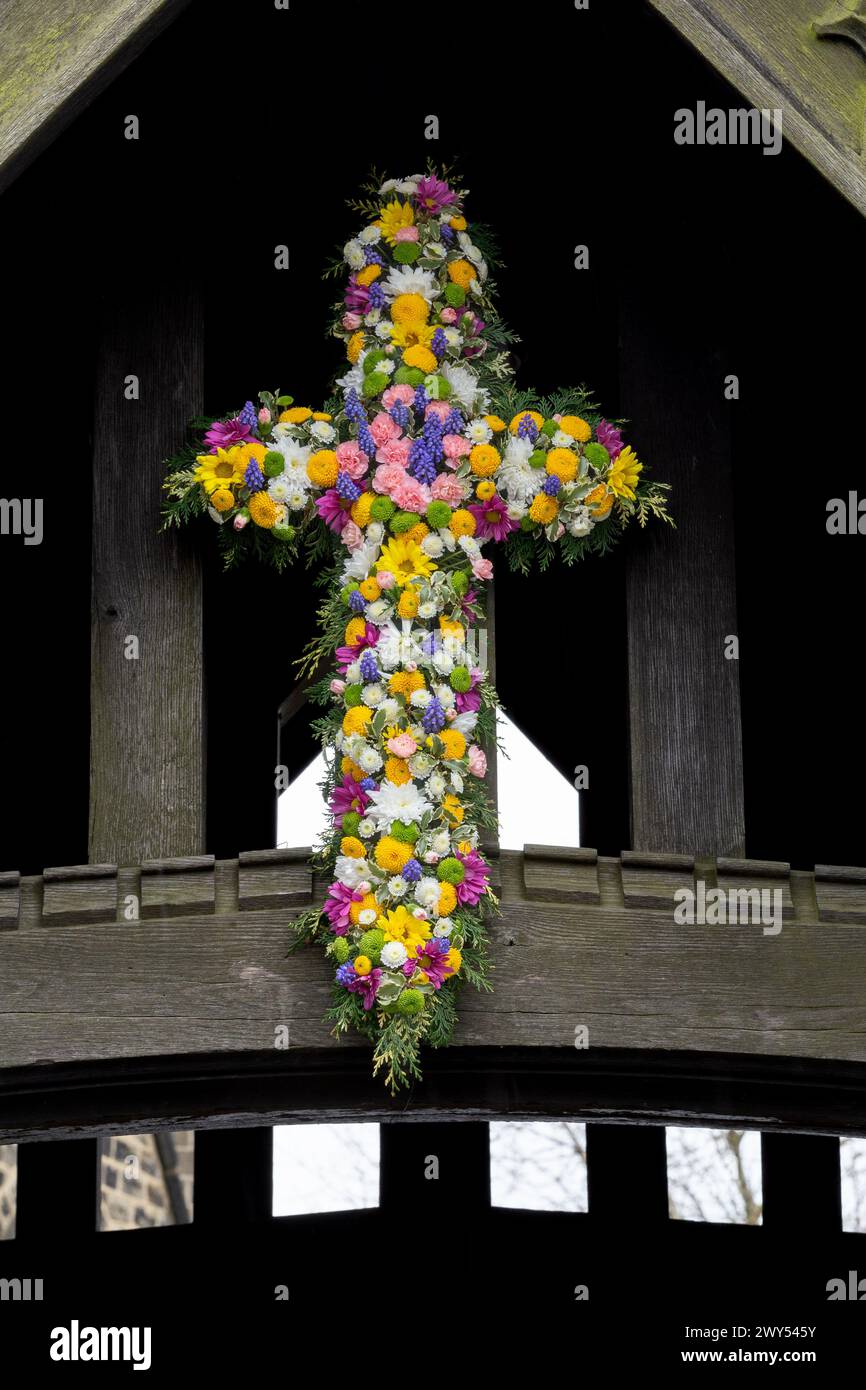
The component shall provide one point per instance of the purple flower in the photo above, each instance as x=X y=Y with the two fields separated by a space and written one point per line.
x=357 y=297
x=332 y=509
x=474 y=880
x=431 y=958
x=551 y=485
x=254 y=477
x=346 y=974
x=356 y=601
x=433 y=718
x=348 y=795
x=366 y=986
x=469 y=701
x=249 y=416
x=369 y=784
x=224 y=433
x=492 y=521
x=346 y=655
x=412 y=871
x=369 y=669
x=348 y=490
x=336 y=907
x=610 y=436
x=432 y=194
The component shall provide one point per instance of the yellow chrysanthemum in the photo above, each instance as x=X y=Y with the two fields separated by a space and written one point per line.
x=392 y=217
x=485 y=490
x=599 y=501
x=562 y=463
x=364 y=905
x=354 y=347
x=322 y=415
x=462 y=273
x=458 y=223
x=351 y=769
x=356 y=719
x=323 y=467
x=360 y=512
x=521 y=415
x=351 y=846
x=623 y=476
x=454 y=812
x=263 y=510
x=220 y=470
x=410 y=308
x=417 y=532
x=405 y=560
x=450 y=627
x=453 y=960
x=543 y=508
x=368 y=274
x=484 y=460
x=397 y=771
x=407 y=604
x=392 y=856
x=355 y=628
x=222 y=499
x=464 y=847
x=296 y=415
x=421 y=357
x=496 y=424
x=399 y=925
x=405 y=682
x=363 y=965
x=453 y=743
x=412 y=334
x=462 y=523
x=447 y=900
x=253 y=450
x=576 y=427
x=369 y=587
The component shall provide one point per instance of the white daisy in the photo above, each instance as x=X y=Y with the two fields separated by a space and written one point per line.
x=353 y=255
x=580 y=523
x=393 y=955
x=360 y=562
x=421 y=765
x=441 y=842
x=353 y=673
x=437 y=785
x=296 y=500
x=373 y=695
x=427 y=892
x=444 y=926
x=366 y=828
x=432 y=545
x=420 y=699
x=456 y=781
x=280 y=487
x=370 y=760
x=397 y=886
x=479 y=432
x=443 y=662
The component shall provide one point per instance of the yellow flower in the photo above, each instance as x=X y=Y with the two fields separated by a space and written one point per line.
x=599 y=501
x=351 y=769
x=392 y=856
x=453 y=742
x=356 y=719
x=495 y=423
x=458 y=223
x=417 y=532
x=562 y=463
x=485 y=490
x=323 y=467
x=295 y=416
x=413 y=333
x=354 y=346
x=451 y=628
x=368 y=274
x=392 y=217
x=623 y=476
x=352 y=847
x=397 y=771
x=484 y=460
x=365 y=904
x=220 y=470
x=543 y=508
x=399 y=925
x=360 y=514
x=263 y=510
x=355 y=628
x=420 y=356
x=462 y=273
x=447 y=899
x=462 y=523
x=404 y=682
x=405 y=559
x=576 y=427
x=363 y=965
x=410 y=308
x=222 y=499
x=253 y=450
x=322 y=415
x=369 y=587
x=453 y=810
x=407 y=604
x=454 y=960
x=521 y=415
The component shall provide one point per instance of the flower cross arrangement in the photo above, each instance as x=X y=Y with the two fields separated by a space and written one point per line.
x=426 y=458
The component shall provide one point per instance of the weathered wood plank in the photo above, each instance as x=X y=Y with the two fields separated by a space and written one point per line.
x=772 y=53
x=840 y=893
x=10 y=893
x=147 y=761
x=86 y=893
x=54 y=59
x=275 y=878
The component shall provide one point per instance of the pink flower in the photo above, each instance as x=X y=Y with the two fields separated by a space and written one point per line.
x=560 y=532
x=352 y=536
x=481 y=568
x=477 y=760
x=352 y=459
x=402 y=745
x=410 y=495
x=406 y=234
x=337 y=687
x=333 y=510
x=448 y=315
x=264 y=416
x=392 y=394
x=456 y=448
x=442 y=409
x=395 y=453
x=349 y=654
x=387 y=476
x=351 y=321
x=447 y=488
x=240 y=522
x=475 y=881
x=385 y=578
x=224 y=433
x=383 y=428
x=492 y=520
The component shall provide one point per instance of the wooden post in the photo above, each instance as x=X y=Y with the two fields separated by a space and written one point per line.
x=147 y=759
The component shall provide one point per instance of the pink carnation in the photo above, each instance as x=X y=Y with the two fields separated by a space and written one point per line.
x=264 y=416
x=406 y=234
x=352 y=536
x=440 y=408
x=395 y=453
x=384 y=427
x=456 y=447
x=387 y=477
x=447 y=488
x=481 y=568
x=351 y=322
x=402 y=745
x=448 y=315
x=410 y=495
x=352 y=459
x=477 y=760
x=392 y=394
x=385 y=579
x=337 y=687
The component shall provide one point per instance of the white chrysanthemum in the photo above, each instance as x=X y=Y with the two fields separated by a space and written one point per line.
x=375 y=532
x=370 y=760
x=391 y=709
x=432 y=545
x=393 y=955
x=456 y=782
x=428 y=608
x=373 y=694
x=516 y=511
x=479 y=432
x=367 y=916
x=437 y=785
x=445 y=695
x=281 y=487
x=384 y=330
x=377 y=609
x=443 y=926
x=397 y=886
x=366 y=828
x=351 y=872
x=352 y=381
x=420 y=699
x=465 y=723
x=465 y=390
x=442 y=661
x=320 y=429
x=371 y=319
x=469 y=545
x=353 y=673
x=441 y=842
x=293 y=451
x=580 y=523
x=407 y=279
x=360 y=562
x=421 y=765
x=404 y=803
x=516 y=479
x=296 y=500
x=453 y=337
x=353 y=255
x=448 y=539
x=370 y=236
x=427 y=893
x=561 y=440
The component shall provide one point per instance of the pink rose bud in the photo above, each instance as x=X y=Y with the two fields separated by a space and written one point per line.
x=431 y=857
x=560 y=531
x=411 y=666
x=420 y=914
x=448 y=315
x=264 y=416
x=385 y=578
x=337 y=687
x=450 y=714
x=364 y=888
x=240 y=521
x=351 y=322
x=477 y=760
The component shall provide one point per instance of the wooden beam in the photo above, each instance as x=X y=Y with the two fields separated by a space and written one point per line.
x=147 y=724
x=775 y=53
x=55 y=58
